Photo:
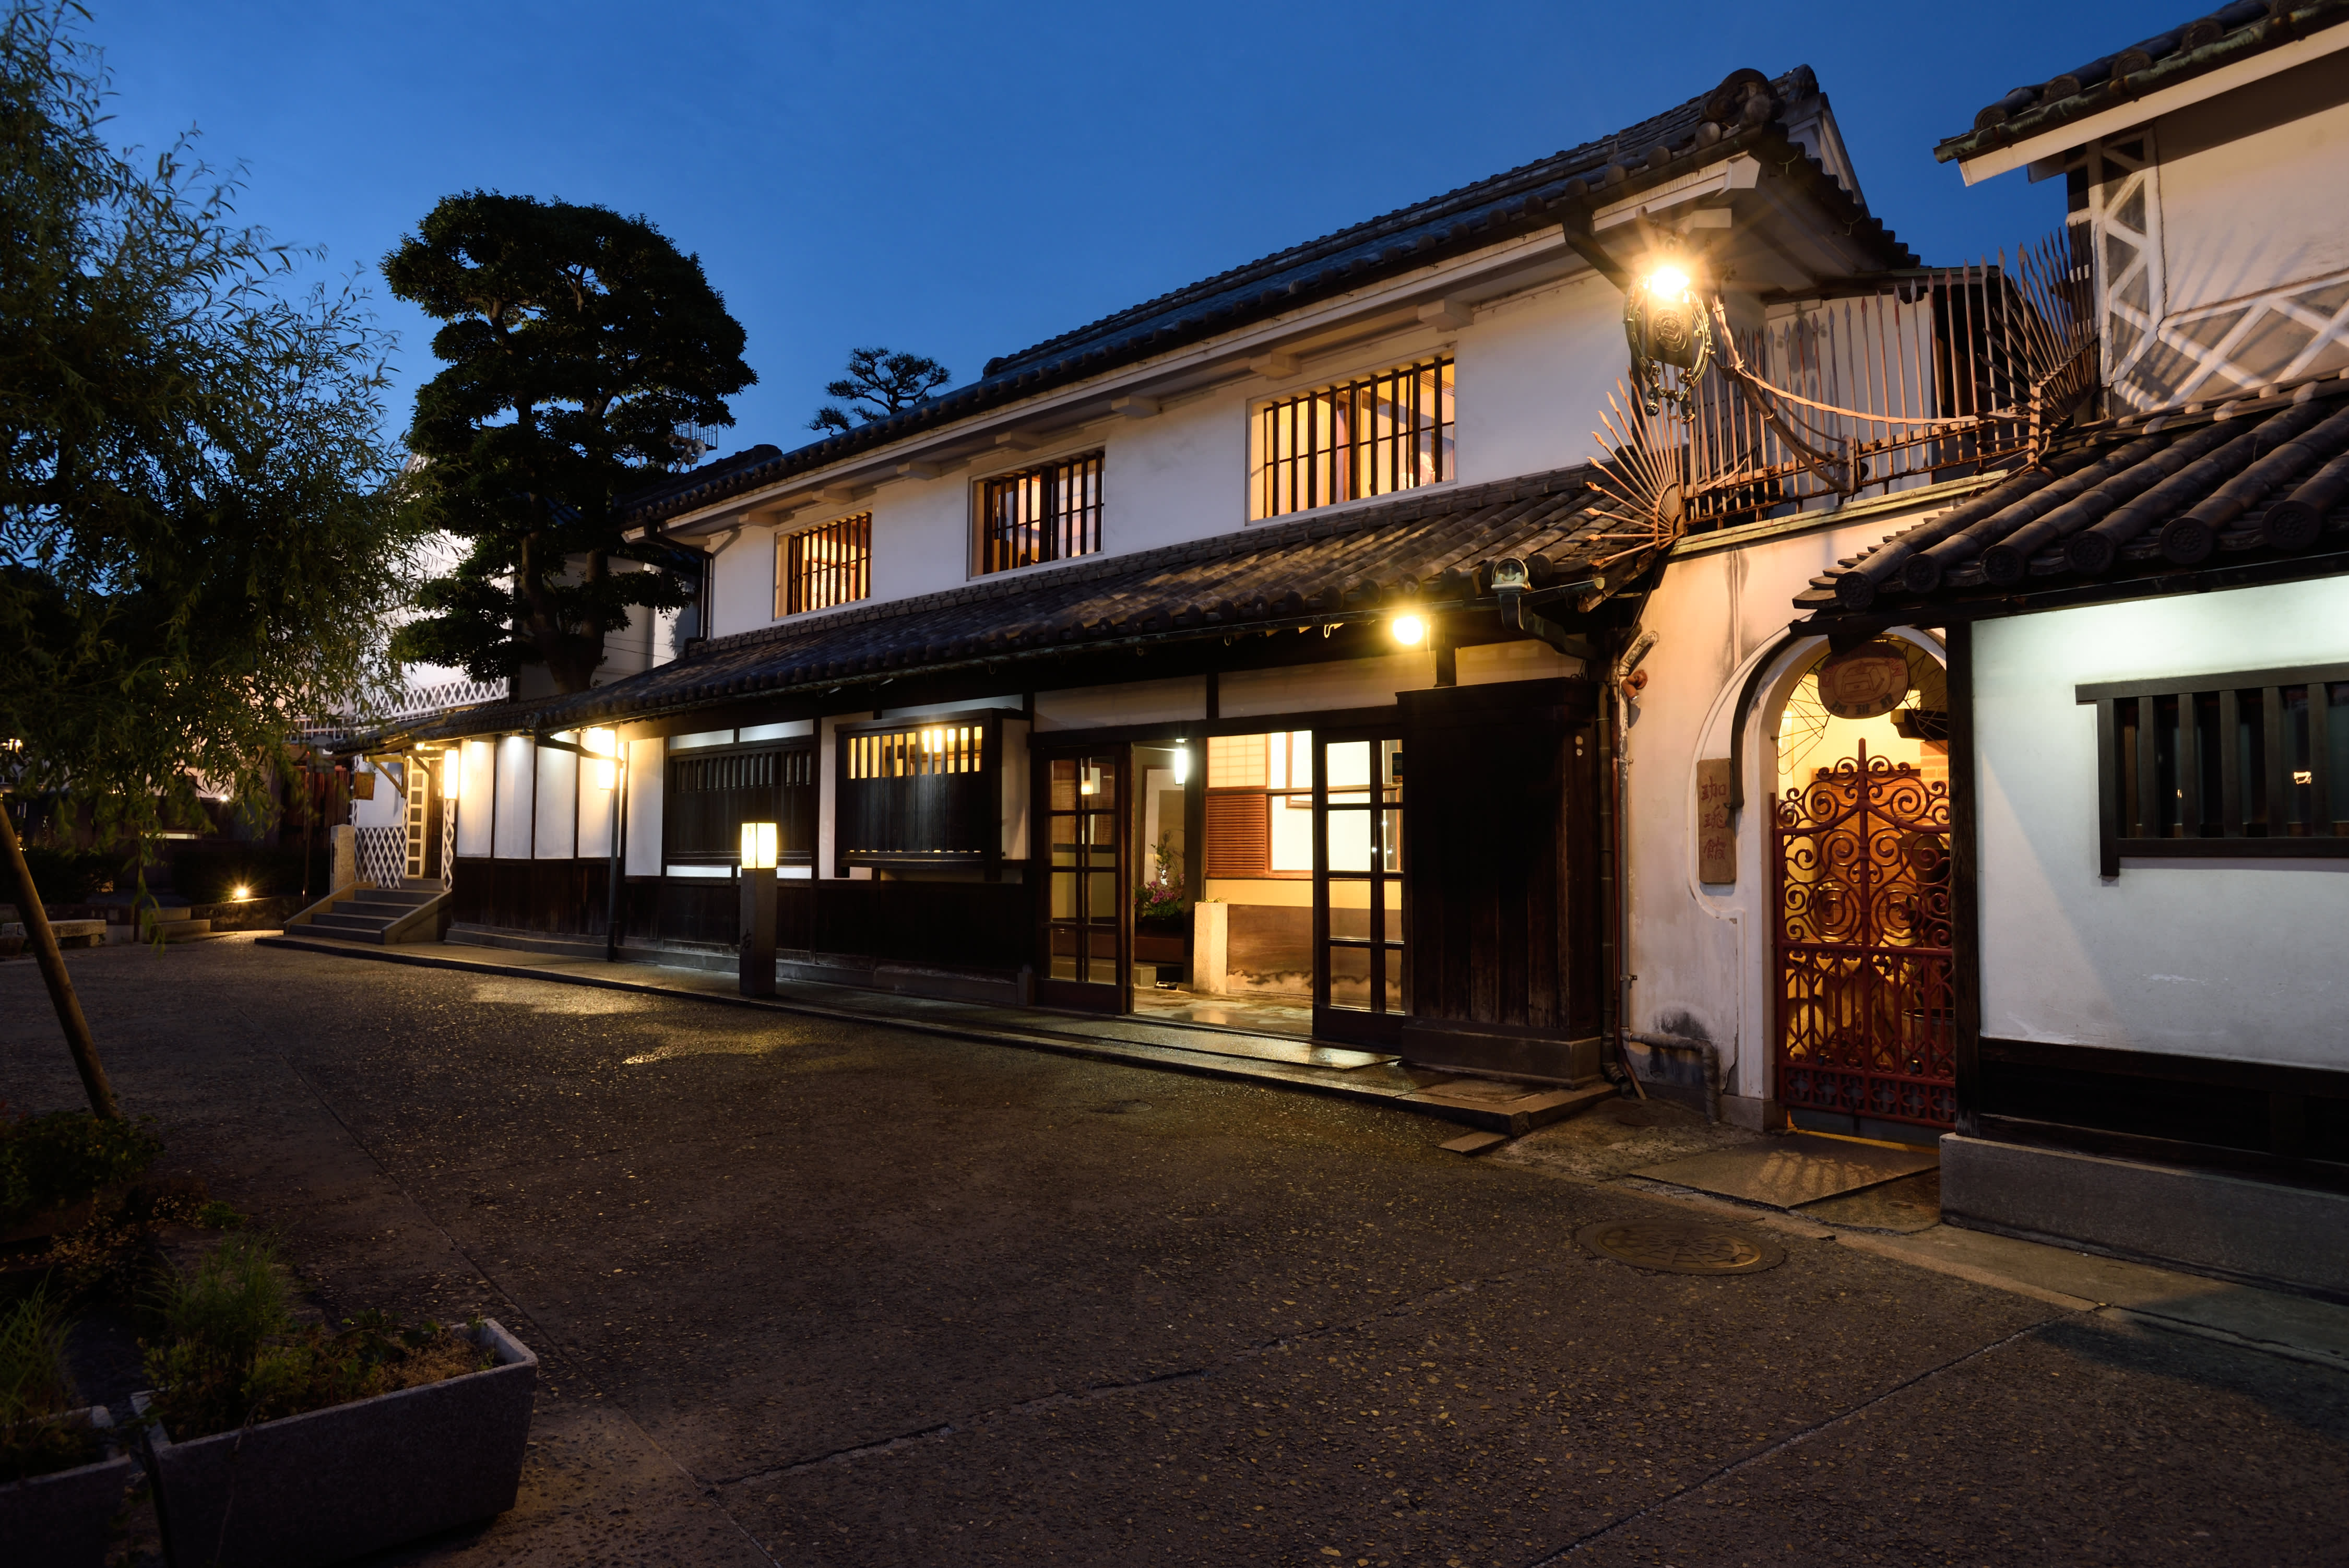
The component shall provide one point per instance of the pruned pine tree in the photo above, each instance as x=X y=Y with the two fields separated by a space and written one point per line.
x=879 y=383
x=578 y=344
x=196 y=540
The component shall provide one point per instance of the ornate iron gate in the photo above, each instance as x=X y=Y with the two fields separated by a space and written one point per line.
x=1865 y=1025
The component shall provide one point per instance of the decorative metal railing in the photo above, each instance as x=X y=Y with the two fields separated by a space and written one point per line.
x=1884 y=384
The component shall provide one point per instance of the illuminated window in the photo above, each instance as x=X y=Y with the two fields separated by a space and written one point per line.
x=918 y=753
x=1047 y=514
x=1373 y=437
x=820 y=567
x=1259 y=815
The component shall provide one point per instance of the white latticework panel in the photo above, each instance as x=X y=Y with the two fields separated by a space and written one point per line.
x=448 y=848
x=383 y=855
x=2155 y=357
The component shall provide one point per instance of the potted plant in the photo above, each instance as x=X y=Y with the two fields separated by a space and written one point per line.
x=61 y=1483
x=279 y=1443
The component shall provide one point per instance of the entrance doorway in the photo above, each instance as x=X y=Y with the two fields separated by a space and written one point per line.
x=1360 y=990
x=1860 y=840
x=1086 y=925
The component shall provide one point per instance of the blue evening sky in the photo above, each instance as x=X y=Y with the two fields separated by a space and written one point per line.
x=965 y=180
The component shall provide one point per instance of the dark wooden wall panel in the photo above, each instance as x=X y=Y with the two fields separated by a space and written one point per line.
x=1502 y=836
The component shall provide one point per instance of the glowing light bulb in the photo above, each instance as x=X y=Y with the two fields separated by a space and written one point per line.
x=1668 y=279
x=1182 y=765
x=240 y=890
x=1409 y=630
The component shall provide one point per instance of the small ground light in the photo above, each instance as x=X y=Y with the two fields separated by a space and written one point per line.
x=1409 y=630
x=240 y=890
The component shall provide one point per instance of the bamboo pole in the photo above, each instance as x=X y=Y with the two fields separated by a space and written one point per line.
x=61 y=983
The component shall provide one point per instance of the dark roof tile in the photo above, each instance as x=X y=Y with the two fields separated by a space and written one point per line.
x=2269 y=475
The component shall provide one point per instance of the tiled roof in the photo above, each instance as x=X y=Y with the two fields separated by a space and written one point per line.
x=1537 y=196
x=1423 y=548
x=2234 y=32
x=2254 y=478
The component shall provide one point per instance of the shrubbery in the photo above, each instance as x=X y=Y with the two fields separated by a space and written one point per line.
x=47 y=1161
x=232 y=1353
x=35 y=1389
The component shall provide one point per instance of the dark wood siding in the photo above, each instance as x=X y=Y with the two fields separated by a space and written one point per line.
x=1502 y=839
x=710 y=794
x=987 y=925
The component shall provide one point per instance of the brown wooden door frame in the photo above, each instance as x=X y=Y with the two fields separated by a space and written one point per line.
x=1377 y=1026
x=1082 y=995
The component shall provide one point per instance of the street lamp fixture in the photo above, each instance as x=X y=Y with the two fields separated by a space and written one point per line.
x=1667 y=324
x=759 y=844
x=1409 y=630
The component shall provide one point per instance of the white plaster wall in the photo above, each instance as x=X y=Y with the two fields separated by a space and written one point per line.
x=1533 y=372
x=558 y=802
x=1144 y=702
x=514 y=799
x=595 y=817
x=2253 y=185
x=1309 y=688
x=474 y=791
x=647 y=777
x=742 y=583
x=1702 y=953
x=2226 y=958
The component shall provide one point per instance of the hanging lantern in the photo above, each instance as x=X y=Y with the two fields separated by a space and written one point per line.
x=1667 y=325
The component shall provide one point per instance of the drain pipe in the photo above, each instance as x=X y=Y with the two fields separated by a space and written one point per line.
x=1706 y=1051
x=1620 y=684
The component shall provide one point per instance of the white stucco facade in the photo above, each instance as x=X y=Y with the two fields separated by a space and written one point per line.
x=2231 y=958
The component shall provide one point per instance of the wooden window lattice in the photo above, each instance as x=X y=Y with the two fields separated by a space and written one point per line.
x=818 y=567
x=918 y=753
x=1372 y=437
x=2252 y=763
x=1052 y=512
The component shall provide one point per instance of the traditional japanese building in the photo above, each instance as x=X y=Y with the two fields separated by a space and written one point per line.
x=1242 y=655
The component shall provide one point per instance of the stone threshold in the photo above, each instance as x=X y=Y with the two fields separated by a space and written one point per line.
x=1278 y=1061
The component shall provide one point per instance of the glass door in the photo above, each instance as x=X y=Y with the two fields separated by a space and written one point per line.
x=1360 y=911
x=1086 y=913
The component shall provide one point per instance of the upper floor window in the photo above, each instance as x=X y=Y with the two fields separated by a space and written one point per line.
x=1373 y=437
x=1047 y=513
x=820 y=567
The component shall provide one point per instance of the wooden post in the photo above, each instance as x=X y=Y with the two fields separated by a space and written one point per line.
x=61 y=983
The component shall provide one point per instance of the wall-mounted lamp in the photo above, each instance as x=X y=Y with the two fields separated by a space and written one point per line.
x=603 y=749
x=452 y=773
x=1089 y=779
x=759 y=846
x=1667 y=325
x=1182 y=765
x=1409 y=630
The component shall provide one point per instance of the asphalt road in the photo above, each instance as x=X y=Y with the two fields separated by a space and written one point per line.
x=815 y=1294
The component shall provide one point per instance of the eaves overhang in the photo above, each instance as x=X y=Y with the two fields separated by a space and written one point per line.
x=2032 y=124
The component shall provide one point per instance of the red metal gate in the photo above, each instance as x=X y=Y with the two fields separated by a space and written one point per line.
x=1865 y=987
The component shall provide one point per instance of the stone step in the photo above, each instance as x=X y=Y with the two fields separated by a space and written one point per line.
x=338 y=919
x=176 y=930
x=392 y=897
x=79 y=933
x=1512 y=1108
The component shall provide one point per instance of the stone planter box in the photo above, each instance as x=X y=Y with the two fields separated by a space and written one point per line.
x=334 y=1483
x=60 y=1520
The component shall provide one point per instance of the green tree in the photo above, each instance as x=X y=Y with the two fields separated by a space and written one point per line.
x=197 y=540
x=579 y=343
x=879 y=383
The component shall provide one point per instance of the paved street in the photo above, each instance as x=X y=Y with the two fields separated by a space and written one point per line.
x=813 y=1292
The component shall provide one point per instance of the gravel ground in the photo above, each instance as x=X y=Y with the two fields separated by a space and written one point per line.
x=818 y=1294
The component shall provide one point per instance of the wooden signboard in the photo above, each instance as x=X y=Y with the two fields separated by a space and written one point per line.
x=1865 y=681
x=1716 y=841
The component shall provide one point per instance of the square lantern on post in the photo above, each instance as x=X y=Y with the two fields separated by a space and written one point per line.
x=760 y=845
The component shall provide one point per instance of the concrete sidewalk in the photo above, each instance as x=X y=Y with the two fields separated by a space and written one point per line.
x=1365 y=1078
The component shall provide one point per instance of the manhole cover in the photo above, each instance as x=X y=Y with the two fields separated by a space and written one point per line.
x=1680 y=1246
